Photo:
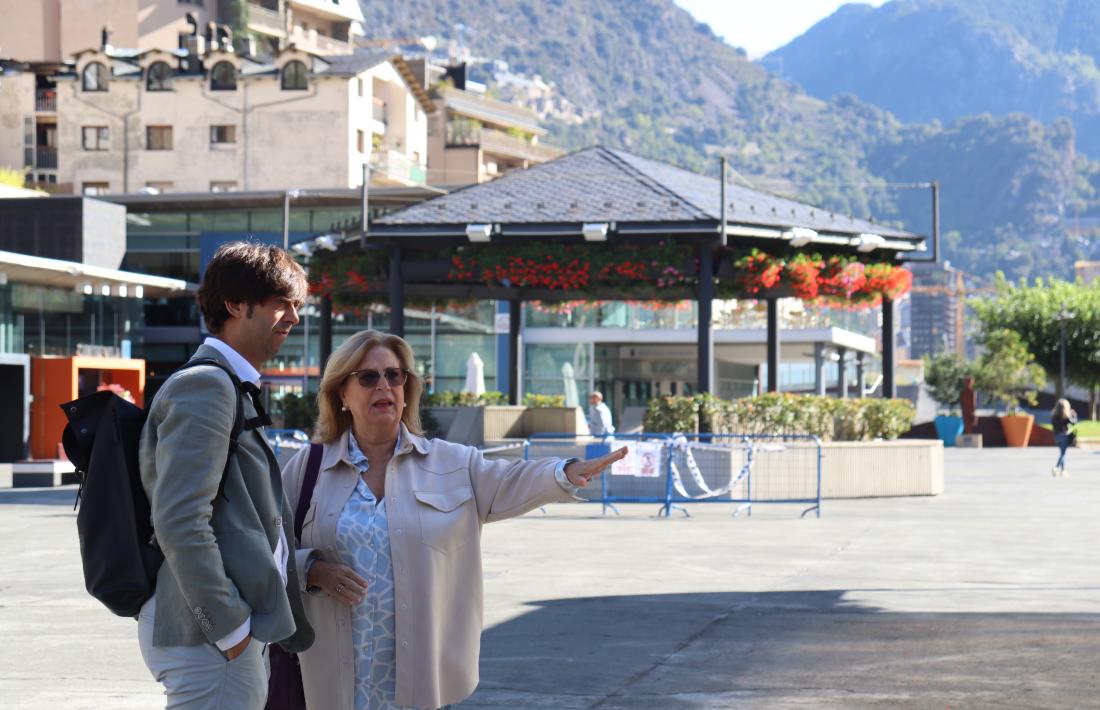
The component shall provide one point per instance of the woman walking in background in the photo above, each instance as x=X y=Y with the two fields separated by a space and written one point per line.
x=1062 y=417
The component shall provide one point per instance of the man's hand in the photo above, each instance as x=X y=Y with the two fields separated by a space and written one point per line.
x=239 y=648
x=337 y=580
x=580 y=473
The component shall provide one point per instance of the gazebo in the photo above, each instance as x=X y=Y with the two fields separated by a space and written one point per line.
x=606 y=224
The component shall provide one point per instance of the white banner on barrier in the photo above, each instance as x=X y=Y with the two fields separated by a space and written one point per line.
x=642 y=460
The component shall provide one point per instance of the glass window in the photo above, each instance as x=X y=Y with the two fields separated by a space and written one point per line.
x=222 y=135
x=94 y=77
x=158 y=138
x=223 y=186
x=160 y=186
x=294 y=76
x=158 y=77
x=96 y=188
x=94 y=138
x=223 y=77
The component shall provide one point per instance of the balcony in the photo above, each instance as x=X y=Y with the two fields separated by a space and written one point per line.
x=45 y=100
x=330 y=45
x=470 y=133
x=265 y=21
x=45 y=158
x=378 y=110
x=391 y=167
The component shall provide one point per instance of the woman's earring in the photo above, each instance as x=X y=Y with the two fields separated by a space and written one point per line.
x=344 y=408
x=404 y=404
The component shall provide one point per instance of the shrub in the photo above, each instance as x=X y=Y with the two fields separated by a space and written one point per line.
x=783 y=414
x=463 y=399
x=543 y=400
x=944 y=376
x=299 y=412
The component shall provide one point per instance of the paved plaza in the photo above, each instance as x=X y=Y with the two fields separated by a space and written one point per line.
x=987 y=596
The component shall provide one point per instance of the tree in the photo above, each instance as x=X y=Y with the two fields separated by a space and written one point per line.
x=12 y=176
x=944 y=376
x=1033 y=312
x=1006 y=371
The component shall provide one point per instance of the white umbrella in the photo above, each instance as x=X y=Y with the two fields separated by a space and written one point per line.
x=475 y=375
x=570 y=382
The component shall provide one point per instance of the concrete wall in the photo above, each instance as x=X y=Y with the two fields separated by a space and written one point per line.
x=104 y=233
x=30 y=32
x=68 y=228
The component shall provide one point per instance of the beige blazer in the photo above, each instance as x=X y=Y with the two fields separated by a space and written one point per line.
x=438 y=495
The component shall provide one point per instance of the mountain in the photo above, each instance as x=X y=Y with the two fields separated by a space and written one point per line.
x=943 y=59
x=654 y=81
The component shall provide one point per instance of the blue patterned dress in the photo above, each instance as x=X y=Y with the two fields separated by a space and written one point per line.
x=363 y=542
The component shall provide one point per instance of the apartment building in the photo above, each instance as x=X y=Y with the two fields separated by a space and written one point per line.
x=321 y=26
x=125 y=120
x=473 y=138
x=54 y=30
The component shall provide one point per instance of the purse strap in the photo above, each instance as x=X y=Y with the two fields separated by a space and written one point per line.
x=313 y=467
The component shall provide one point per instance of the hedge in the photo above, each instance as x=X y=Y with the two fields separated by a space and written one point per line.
x=783 y=414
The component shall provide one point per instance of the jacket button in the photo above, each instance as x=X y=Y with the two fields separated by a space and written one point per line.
x=405 y=644
x=72 y=410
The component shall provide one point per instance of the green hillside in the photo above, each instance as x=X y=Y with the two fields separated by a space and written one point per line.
x=943 y=59
x=659 y=84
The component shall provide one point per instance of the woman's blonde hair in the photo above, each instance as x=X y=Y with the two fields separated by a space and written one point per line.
x=332 y=422
x=1061 y=410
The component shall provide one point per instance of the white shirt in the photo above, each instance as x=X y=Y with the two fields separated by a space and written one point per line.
x=247 y=373
x=599 y=419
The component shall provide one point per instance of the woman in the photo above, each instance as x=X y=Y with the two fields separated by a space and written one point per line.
x=1062 y=417
x=391 y=541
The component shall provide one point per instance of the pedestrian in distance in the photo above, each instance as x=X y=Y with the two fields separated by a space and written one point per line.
x=599 y=415
x=1062 y=419
x=228 y=585
x=391 y=537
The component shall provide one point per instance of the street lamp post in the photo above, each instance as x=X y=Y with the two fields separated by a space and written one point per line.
x=306 y=250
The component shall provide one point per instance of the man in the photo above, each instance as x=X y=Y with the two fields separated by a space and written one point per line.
x=599 y=416
x=228 y=585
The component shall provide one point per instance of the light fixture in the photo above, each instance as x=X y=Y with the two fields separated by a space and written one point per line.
x=595 y=231
x=3 y=278
x=868 y=242
x=302 y=249
x=479 y=232
x=86 y=289
x=139 y=292
x=122 y=290
x=799 y=236
x=105 y=289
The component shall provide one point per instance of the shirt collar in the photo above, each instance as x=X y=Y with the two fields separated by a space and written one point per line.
x=243 y=368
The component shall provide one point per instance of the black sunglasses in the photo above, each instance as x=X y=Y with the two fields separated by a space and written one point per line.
x=395 y=377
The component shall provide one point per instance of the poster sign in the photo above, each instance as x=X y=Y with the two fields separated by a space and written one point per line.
x=642 y=460
x=502 y=323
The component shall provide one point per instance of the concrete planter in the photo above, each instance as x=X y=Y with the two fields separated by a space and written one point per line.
x=556 y=420
x=868 y=469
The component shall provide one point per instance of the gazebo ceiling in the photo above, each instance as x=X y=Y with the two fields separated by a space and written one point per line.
x=601 y=194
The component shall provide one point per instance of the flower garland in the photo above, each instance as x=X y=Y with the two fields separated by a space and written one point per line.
x=758 y=271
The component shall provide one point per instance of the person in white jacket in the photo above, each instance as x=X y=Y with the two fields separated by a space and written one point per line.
x=599 y=415
x=391 y=540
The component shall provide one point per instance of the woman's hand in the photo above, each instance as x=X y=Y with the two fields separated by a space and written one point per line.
x=337 y=580
x=580 y=473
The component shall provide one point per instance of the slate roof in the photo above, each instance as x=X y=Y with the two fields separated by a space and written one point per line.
x=599 y=184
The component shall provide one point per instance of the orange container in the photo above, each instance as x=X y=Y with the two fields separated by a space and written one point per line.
x=56 y=380
x=1017 y=428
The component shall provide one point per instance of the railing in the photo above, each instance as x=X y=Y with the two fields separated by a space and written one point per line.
x=500 y=142
x=45 y=157
x=330 y=45
x=466 y=132
x=378 y=110
x=45 y=100
x=396 y=166
x=264 y=19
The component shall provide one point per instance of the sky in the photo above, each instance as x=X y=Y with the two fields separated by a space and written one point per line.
x=759 y=26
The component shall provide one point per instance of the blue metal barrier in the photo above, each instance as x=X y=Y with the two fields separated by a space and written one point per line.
x=797 y=481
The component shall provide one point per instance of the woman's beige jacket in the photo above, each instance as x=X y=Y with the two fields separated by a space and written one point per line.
x=438 y=495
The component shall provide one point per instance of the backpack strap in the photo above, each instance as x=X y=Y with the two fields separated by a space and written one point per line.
x=309 y=481
x=238 y=419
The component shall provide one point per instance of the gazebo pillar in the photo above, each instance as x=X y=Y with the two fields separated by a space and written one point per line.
x=324 y=337
x=861 y=375
x=889 y=341
x=705 y=341
x=819 y=369
x=842 y=372
x=773 y=344
x=514 y=311
x=397 y=293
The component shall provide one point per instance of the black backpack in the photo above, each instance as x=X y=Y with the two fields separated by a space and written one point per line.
x=117 y=545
